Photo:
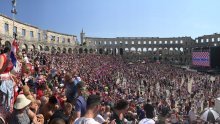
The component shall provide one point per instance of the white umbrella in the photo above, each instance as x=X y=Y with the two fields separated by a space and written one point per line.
x=209 y=115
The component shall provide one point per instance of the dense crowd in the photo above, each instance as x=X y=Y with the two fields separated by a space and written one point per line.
x=92 y=89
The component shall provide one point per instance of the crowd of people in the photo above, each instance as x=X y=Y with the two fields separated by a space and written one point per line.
x=100 y=89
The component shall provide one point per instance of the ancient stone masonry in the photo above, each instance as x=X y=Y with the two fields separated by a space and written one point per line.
x=32 y=38
x=172 y=49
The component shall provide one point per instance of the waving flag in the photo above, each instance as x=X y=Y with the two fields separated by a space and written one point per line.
x=14 y=49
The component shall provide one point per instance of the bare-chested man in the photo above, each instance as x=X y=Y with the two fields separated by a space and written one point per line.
x=49 y=108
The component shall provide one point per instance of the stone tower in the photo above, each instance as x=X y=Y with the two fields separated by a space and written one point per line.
x=82 y=36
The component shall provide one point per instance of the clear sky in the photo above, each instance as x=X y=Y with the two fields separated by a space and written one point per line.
x=120 y=18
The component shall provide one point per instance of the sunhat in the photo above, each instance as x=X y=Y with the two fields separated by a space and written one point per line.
x=21 y=102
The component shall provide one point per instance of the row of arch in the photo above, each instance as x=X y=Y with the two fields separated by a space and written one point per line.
x=132 y=49
x=162 y=55
x=46 y=48
x=181 y=49
x=120 y=51
x=139 y=42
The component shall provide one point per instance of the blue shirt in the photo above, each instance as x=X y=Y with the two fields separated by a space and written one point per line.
x=80 y=105
x=141 y=114
x=76 y=80
x=71 y=91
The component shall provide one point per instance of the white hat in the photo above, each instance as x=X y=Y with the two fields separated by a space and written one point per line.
x=21 y=102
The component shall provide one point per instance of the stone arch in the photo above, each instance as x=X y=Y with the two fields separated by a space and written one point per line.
x=8 y=44
x=91 y=50
x=86 y=50
x=64 y=50
x=40 y=48
x=106 y=51
x=133 y=49
x=116 y=51
x=53 y=50
x=160 y=50
x=58 y=49
x=181 y=49
x=165 y=50
x=111 y=51
x=144 y=49
x=177 y=49
x=100 y=51
x=170 y=50
x=80 y=50
x=70 y=50
x=126 y=49
x=24 y=47
x=139 y=49
x=32 y=47
x=121 y=51
x=46 y=48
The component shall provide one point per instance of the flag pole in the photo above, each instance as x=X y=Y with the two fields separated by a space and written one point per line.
x=14 y=12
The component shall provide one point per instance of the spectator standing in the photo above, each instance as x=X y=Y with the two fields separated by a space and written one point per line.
x=93 y=108
x=149 y=111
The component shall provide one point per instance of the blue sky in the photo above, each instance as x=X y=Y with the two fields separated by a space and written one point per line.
x=121 y=18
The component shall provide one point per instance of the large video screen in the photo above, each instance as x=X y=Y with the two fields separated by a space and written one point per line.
x=201 y=59
x=215 y=57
